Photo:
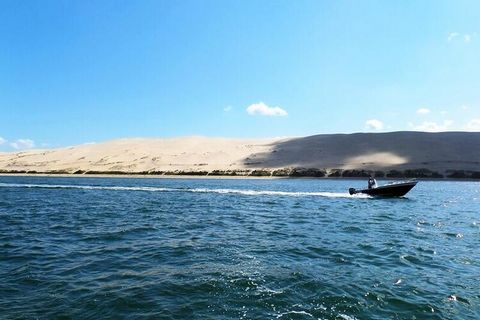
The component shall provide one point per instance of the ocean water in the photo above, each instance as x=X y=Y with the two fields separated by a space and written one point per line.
x=90 y=248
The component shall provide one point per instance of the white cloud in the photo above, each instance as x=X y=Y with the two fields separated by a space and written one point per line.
x=473 y=125
x=423 y=111
x=22 y=144
x=264 y=110
x=452 y=35
x=465 y=108
x=2 y=141
x=374 y=124
x=443 y=112
x=430 y=126
x=467 y=37
x=228 y=108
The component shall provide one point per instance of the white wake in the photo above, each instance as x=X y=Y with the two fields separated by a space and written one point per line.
x=197 y=190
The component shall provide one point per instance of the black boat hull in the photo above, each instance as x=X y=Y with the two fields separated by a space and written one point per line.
x=391 y=190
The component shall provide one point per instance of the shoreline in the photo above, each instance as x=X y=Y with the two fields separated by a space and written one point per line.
x=224 y=177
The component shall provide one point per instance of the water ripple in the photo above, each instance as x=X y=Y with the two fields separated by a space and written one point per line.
x=235 y=249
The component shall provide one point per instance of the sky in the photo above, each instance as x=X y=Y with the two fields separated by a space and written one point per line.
x=74 y=72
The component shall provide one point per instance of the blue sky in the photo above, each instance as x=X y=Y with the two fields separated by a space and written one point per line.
x=74 y=72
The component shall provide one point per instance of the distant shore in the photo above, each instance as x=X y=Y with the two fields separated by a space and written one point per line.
x=392 y=155
x=422 y=174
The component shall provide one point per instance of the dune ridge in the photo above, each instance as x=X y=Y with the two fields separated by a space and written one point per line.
x=393 y=154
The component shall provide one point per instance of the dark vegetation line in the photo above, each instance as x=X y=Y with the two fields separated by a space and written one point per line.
x=286 y=172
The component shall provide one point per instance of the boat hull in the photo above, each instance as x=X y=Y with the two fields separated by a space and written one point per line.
x=392 y=190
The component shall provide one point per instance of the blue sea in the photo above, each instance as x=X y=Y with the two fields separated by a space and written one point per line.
x=128 y=248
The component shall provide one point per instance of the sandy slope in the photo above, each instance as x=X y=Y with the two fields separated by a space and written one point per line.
x=375 y=151
x=141 y=154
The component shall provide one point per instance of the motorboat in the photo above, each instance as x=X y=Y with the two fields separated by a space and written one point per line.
x=396 y=189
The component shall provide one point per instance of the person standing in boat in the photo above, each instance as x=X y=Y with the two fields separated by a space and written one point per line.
x=372 y=183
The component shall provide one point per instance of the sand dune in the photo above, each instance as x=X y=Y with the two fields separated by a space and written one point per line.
x=436 y=152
